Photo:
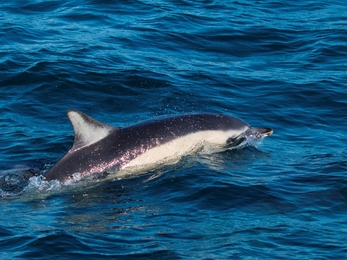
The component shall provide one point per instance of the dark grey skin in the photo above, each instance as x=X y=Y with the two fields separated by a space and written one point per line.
x=116 y=147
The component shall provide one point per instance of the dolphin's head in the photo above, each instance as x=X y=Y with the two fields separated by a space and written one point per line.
x=249 y=136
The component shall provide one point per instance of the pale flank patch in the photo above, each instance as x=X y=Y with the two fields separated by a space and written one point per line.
x=172 y=152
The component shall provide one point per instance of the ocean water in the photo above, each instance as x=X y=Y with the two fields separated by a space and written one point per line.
x=278 y=64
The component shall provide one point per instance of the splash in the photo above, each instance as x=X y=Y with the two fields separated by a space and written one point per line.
x=16 y=182
x=13 y=182
x=38 y=184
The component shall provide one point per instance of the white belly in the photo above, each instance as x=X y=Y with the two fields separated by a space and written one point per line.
x=173 y=151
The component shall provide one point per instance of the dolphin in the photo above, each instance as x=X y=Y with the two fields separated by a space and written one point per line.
x=102 y=148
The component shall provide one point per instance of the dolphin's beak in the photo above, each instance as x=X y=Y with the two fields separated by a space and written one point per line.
x=264 y=130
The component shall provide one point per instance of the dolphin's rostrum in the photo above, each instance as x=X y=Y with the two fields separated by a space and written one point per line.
x=101 y=148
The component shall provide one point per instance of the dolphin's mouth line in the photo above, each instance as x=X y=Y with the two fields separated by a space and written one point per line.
x=258 y=132
x=266 y=131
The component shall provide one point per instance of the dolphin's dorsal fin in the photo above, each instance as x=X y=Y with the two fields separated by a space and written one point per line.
x=87 y=130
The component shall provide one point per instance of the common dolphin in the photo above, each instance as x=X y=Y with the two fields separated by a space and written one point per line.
x=99 y=147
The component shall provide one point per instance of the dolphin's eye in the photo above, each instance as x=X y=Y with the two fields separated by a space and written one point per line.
x=231 y=140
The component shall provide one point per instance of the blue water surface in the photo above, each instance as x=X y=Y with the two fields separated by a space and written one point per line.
x=278 y=64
